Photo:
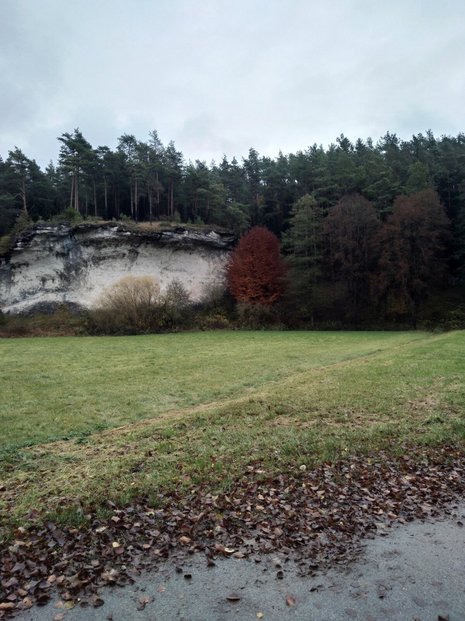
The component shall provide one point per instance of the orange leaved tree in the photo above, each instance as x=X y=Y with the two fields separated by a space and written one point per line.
x=255 y=270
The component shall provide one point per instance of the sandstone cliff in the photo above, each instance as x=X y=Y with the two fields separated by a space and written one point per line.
x=74 y=264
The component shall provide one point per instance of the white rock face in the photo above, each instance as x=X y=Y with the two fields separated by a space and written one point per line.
x=61 y=264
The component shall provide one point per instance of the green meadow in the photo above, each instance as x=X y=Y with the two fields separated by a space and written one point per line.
x=84 y=419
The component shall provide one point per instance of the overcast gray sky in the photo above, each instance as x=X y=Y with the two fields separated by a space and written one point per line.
x=220 y=76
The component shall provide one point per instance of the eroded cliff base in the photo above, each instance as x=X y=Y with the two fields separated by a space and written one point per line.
x=51 y=265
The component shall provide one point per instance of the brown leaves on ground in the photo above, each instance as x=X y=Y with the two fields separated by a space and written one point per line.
x=318 y=516
x=290 y=600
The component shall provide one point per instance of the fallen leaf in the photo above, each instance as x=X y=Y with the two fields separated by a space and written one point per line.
x=96 y=601
x=27 y=603
x=290 y=600
x=7 y=606
x=325 y=510
x=142 y=603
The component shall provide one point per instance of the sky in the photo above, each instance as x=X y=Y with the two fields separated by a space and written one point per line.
x=221 y=76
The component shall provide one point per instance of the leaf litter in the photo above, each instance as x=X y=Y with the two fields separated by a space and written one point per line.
x=317 y=516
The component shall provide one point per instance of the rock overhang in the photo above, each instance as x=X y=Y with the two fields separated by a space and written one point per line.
x=65 y=264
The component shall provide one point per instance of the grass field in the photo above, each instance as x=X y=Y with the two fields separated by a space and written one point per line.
x=82 y=419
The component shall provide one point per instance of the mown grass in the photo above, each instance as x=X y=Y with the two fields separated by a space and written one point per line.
x=55 y=388
x=140 y=415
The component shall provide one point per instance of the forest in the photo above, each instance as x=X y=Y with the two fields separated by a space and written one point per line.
x=370 y=233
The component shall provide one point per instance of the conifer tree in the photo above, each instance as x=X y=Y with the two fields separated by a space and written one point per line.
x=303 y=241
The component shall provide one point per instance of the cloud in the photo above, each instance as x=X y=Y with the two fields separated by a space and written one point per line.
x=220 y=77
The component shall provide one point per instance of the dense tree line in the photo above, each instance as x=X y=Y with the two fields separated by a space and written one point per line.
x=372 y=227
x=352 y=263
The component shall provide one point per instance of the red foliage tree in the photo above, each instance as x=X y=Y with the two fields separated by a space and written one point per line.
x=412 y=260
x=255 y=270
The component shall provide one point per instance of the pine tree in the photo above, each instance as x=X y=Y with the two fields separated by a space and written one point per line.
x=304 y=241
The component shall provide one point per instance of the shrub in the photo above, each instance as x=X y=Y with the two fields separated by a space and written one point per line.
x=213 y=295
x=215 y=320
x=176 y=296
x=454 y=319
x=5 y=244
x=135 y=305
x=256 y=316
x=70 y=215
x=23 y=222
x=175 y=308
x=130 y=304
x=60 y=322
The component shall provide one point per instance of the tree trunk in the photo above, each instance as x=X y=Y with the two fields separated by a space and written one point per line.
x=23 y=195
x=136 y=200
x=105 y=189
x=72 y=193
x=95 y=200
x=76 y=193
x=158 y=196
x=115 y=203
x=150 y=195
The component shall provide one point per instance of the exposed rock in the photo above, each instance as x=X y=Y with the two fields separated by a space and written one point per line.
x=73 y=264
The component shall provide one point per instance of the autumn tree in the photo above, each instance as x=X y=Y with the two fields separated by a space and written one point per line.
x=255 y=270
x=413 y=260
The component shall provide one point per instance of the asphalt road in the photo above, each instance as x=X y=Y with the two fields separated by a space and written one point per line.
x=413 y=572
